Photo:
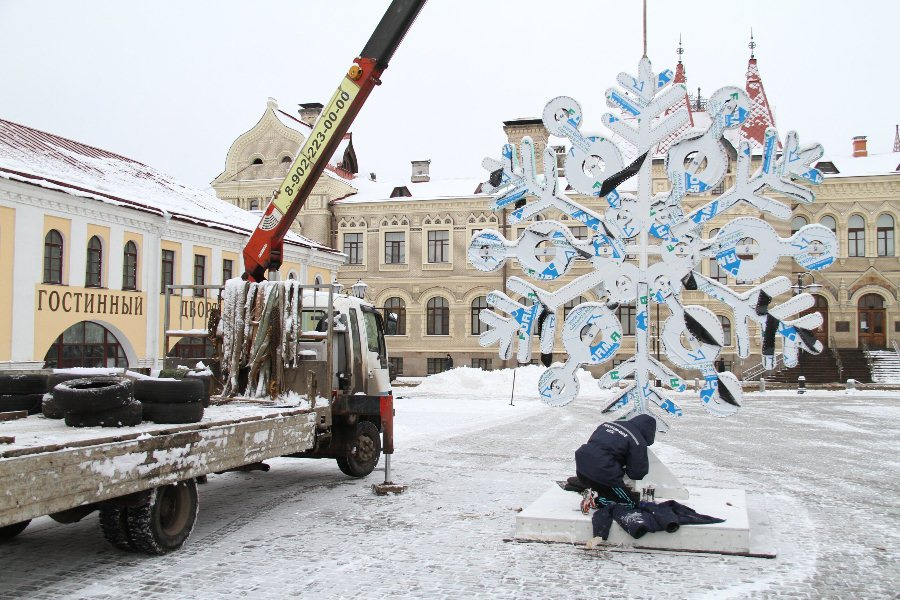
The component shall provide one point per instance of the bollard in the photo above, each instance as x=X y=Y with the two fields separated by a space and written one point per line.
x=762 y=384
x=696 y=383
x=801 y=385
x=851 y=385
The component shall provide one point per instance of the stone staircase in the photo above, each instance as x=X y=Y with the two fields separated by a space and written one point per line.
x=885 y=366
x=817 y=368
x=856 y=365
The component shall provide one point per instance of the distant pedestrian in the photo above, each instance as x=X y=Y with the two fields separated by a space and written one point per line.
x=448 y=362
x=720 y=365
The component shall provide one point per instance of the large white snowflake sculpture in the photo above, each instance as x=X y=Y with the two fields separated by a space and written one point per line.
x=666 y=243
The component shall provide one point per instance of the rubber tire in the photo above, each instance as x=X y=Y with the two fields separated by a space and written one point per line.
x=57 y=378
x=169 y=391
x=92 y=394
x=114 y=526
x=8 y=532
x=29 y=402
x=363 y=451
x=122 y=416
x=23 y=384
x=50 y=409
x=167 y=520
x=173 y=413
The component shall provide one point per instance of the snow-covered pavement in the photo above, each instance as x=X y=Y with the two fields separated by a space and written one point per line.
x=824 y=463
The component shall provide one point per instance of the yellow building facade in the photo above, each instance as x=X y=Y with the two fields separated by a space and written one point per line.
x=89 y=242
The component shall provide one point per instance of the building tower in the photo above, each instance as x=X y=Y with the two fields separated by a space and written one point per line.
x=761 y=116
x=680 y=77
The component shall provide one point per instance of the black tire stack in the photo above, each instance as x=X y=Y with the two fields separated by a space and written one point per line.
x=98 y=402
x=49 y=407
x=22 y=392
x=171 y=400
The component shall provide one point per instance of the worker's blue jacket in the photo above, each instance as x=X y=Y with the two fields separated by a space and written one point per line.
x=615 y=449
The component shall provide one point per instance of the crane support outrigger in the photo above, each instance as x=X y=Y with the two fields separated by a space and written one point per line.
x=263 y=252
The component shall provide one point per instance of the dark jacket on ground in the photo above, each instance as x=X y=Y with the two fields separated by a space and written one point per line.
x=615 y=449
x=648 y=517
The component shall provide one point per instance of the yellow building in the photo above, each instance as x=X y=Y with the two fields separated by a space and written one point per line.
x=408 y=239
x=89 y=241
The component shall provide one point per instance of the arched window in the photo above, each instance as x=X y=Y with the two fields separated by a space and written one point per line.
x=715 y=270
x=798 y=222
x=94 y=262
x=53 y=257
x=318 y=280
x=85 y=344
x=254 y=204
x=478 y=304
x=885 y=235
x=568 y=306
x=193 y=347
x=292 y=275
x=726 y=328
x=398 y=307
x=256 y=161
x=871 y=301
x=856 y=236
x=129 y=267
x=285 y=159
x=437 y=317
x=829 y=222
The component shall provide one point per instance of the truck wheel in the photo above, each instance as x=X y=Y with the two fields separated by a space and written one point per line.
x=169 y=391
x=363 y=451
x=166 y=521
x=23 y=384
x=11 y=531
x=173 y=413
x=29 y=402
x=50 y=408
x=92 y=394
x=114 y=525
x=123 y=416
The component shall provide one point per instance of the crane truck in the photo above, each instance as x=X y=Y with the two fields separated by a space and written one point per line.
x=306 y=368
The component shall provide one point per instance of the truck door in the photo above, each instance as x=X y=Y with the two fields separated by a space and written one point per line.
x=378 y=379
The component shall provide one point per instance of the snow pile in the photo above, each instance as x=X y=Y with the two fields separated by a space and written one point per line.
x=490 y=385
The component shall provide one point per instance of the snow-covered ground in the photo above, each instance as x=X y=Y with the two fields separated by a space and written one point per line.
x=823 y=463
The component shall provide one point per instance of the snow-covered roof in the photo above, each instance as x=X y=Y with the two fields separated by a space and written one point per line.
x=57 y=163
x=861 y=166
x=436 y=189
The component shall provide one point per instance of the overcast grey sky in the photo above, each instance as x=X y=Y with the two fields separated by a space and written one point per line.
x=173 y=83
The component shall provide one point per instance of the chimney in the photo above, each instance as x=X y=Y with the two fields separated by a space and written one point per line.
x=516 y=129
x=420 y=172
x=859 y=146
x=309 y=112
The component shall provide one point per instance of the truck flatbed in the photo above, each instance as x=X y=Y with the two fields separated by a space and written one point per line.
x=51 y=468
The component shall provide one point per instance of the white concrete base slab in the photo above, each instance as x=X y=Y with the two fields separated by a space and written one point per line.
x=556 y=517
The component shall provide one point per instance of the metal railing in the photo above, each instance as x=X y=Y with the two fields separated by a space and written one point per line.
x=832 y=347
x=756 y=371
x=896 y=347
x=868 y=354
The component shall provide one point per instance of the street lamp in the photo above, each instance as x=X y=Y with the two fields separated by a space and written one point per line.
x=337 y=286
x=359 y=289
x=799 y=289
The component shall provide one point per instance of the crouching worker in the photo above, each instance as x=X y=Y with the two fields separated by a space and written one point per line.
x=616 y=449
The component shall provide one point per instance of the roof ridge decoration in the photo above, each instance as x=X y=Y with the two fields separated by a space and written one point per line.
x=636 y=228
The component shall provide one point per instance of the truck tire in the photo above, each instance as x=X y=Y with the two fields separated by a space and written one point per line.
x=50 y=409
x=174 y=413
x=92 y=394
x=169 y=391
x=23 y=384
x=122 y=416
x=167 y=520
x=57 y=378
x=10 y=531
x=29 y=402
x=363 y=451
x=114 y=525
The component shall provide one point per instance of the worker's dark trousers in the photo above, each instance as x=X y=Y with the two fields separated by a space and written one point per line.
x=607 y=494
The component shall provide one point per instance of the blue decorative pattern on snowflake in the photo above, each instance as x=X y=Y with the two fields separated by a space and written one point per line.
x=666 y=242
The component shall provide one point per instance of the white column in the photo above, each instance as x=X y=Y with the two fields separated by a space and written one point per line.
x=187 y=264
x=150 y=283
x=215 y=269
x=114 y=256
x=28 y=271
x=75 y=250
